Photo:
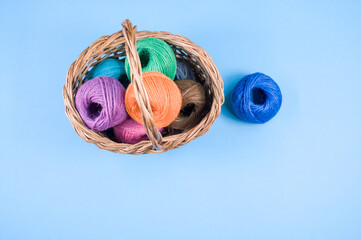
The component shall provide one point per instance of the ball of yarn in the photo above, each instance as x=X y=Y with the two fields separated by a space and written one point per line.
x=193 y=104
x=164 y=96
x=256 y=98
x=155 y=55
x=184 y=71
x=110 y=67
x=100 y=103
x=131 y=132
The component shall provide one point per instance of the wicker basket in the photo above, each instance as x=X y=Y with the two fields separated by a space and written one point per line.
x=121 y=44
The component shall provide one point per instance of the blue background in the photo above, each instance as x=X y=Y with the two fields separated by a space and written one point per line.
x=295 y=177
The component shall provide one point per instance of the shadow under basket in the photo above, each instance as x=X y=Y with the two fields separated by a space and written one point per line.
x=123 y=44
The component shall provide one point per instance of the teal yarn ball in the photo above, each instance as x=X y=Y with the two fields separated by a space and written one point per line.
x=111 y=67
x=155 y=55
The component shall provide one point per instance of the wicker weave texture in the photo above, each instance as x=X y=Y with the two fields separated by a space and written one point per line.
x=121 y=44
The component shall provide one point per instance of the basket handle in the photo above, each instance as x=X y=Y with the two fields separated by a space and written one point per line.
x=139 y=90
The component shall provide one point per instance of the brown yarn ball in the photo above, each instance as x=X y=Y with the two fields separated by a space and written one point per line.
x=193 y=104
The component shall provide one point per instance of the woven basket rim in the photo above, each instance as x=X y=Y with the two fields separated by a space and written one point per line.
x=113 y=44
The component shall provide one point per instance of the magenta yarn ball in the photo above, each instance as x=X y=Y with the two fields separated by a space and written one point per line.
x=100 y=103
x=131 y=132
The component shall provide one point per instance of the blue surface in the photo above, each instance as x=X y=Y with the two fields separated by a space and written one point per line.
x=295 y=177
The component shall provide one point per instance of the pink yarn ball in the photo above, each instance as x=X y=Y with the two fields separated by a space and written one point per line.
x=100 y=103
x=131 y=132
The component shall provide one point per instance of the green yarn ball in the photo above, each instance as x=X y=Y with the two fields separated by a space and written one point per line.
x=155 y=55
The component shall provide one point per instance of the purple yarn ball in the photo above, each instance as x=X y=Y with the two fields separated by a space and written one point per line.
x=100 y=103
x=131 y=132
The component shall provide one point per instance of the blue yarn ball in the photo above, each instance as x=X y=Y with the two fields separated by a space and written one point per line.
x=111 y=67
x=256 y=98
x=184 y=71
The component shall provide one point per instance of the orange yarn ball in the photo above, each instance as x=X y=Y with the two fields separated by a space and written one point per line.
x=164 y=96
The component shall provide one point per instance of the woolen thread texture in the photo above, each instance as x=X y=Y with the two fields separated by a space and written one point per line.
x=256 y=98
x=155 y=55
x=100 y=103
x=164 y=96
x=193 y=104
x=184 y=71
x=110 y=67
x=131 y=132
